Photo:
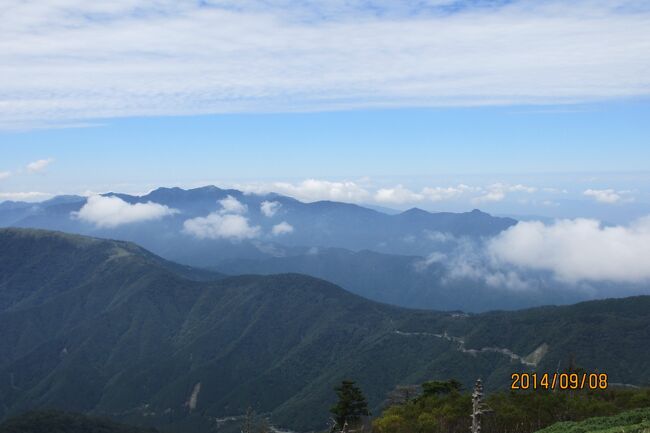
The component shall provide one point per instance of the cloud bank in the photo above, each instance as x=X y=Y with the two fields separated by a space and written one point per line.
x=311 y=190
x=400 y=195
x=576 y=250
x=25 y=196
x=64 y=61
x=110 y=212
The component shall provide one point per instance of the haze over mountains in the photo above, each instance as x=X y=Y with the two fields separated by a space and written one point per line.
x=320 y=224
x=106 y=327
x=414 y=258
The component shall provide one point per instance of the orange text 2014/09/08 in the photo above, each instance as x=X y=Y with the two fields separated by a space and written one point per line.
x=563 y=381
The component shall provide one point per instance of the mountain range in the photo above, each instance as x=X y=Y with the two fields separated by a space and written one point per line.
x=108 y=328
x=404 y=259
x=317 y=224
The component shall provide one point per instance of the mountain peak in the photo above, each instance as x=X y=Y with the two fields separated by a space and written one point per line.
x=206 y=188
x=415 y=211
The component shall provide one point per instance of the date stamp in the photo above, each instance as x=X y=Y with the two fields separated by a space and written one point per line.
x=559 y=381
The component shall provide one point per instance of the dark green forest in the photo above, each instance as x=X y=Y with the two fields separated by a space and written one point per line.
x=440 y=409
x=107 y=328
x=65 y=422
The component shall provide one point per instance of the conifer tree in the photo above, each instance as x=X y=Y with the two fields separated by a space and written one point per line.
x=351 y=407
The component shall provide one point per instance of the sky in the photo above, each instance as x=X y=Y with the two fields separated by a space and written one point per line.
x=519 y=107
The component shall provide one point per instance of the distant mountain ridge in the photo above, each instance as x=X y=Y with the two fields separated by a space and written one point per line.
x=406 y=281
x=105 y=327
x=275 y=226
x=320 y=224
x=415 y=258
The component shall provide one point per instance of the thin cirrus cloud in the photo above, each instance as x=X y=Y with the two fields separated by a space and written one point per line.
x=65 y=61
x=5 y=175
x=110 y=211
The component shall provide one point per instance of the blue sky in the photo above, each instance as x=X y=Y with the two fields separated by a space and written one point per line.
x=515 y=107
x=380 y=143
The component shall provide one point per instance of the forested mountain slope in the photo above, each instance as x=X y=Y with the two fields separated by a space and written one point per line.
x=105 y=327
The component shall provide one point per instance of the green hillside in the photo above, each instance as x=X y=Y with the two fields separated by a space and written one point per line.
x=441 y=408
x=635 y=421
x=107 y=328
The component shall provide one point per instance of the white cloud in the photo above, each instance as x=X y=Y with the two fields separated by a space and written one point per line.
x=575 y=250
x=313 y=190
x=439 y=237
x=435 y=257
x=441 y=193
x=608 y=196
x=282 y=229
x=400 y=195
x=40 y=165
x=509 y=279
x=64 y=61
x=397 y=195
x=4 y=174
x=270 y=208
x=490 y=196
x=112 y=211
x=231 y=205
x=226 y=223
x=24 y=196
x=219 y=226
x=497 y=192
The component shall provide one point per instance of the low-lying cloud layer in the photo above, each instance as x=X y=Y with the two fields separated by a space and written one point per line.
x=566 y=252
x=25 y=196
x=109 y=212
x=228 y=222
x=219 y=226
x=313 y=189
x=609 y=195
x=282 y=229
x=231 y=205
x=575 y=250
x=400 y=195
x=270 y=208
x=363 y=191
